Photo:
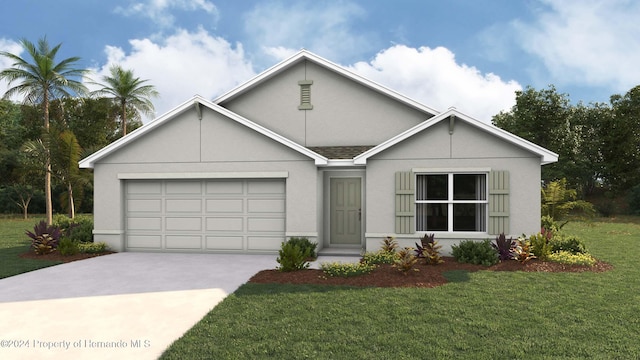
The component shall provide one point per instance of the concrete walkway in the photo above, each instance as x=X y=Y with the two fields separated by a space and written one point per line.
x=120 y=306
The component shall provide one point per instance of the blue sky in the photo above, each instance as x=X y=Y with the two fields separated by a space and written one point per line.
x=471 y=54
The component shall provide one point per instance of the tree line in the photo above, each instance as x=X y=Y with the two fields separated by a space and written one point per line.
x=598 y=144
x=58 y=122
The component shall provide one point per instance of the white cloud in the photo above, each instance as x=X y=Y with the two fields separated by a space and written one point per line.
x=326 y=28
x=590 y=42
x=182 y=65
x=159 y=11
x=12 y=47
x=434 y=78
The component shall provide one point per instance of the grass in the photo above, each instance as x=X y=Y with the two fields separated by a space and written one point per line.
x=480 y=315
x=14 y=242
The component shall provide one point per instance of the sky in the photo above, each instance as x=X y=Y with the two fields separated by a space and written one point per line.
x=469 y=54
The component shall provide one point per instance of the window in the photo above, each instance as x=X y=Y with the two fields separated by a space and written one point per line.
x=451 y=202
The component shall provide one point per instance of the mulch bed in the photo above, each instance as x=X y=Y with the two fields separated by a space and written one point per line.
x=427 y=275
x=55 y=256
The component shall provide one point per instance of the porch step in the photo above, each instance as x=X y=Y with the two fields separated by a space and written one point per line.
x=340 y=252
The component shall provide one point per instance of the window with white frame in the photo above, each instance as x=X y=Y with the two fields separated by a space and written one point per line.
x=451 y=202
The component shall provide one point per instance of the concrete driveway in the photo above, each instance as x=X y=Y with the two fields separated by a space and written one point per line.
x=120 y=306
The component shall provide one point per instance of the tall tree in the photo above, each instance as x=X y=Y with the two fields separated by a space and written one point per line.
x=42 y=79
x=128 y=91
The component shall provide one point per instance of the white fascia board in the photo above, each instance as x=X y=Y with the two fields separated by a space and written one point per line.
x=546 y=156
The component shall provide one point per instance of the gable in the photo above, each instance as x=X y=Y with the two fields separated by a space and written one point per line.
x=186 y=135
x=346 y=110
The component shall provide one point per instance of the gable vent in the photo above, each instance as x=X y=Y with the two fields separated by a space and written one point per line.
x=305 y=94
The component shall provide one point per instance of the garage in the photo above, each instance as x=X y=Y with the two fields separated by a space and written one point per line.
x=211 y=215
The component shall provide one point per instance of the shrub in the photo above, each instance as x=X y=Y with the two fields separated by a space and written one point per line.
x=540 y=246
x=93 y=248
x=429 y=250
x=389 y=244
x=405 y=260
x=292 y=257
x=379 y=257
x=68 y=247
x=566 y=257
x=305 y=245
x=79 y=229
x=475 y=252
x=338 y=269
x=44 y=238
x=522 y=250
x=548 y=223
x=504 y=247
x=570 y=243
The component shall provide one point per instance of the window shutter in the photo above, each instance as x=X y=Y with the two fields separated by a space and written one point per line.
x=498 y=202
x=405 y=202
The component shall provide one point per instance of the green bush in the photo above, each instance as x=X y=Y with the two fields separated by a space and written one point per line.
x=68 y=247
x=79 y=229
x=93 y=248
x=475 y=252
x=540 y=245
x=292 y=257
x=305 y=245
x=565 y=257
x=569 y=243
x=338 y=269
x=379 y=257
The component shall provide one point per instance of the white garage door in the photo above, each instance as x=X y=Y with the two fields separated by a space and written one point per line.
x=205 y=215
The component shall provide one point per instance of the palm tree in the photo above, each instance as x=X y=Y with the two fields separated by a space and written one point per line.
x=127 y=90
x=40 y=81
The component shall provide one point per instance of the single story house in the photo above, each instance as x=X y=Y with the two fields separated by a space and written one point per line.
x=309 y=149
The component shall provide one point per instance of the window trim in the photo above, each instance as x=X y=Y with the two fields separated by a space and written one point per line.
x=450 y=198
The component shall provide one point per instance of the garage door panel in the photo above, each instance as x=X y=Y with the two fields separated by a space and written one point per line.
x=183 y=242
x=184 y=205
x=224 y=187
x=205 y=215
x=263 y=242
x=273 y=206
x=183 y=187
x=225 y=205
x=145 y=241
x=265 y=224
x=225 y=224
x=183 y=223
x=140 y=205
x=265 y=187
x=224 y=242
x=145 y=223
x=144 y=187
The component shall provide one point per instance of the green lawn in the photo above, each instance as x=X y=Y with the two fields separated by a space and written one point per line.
x=486 y=315
x=14 y=242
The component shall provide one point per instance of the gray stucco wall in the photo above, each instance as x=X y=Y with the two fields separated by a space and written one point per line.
x=467 y=148
x=344 y=112
x=215 y=146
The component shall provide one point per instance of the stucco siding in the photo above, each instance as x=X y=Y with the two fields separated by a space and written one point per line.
x=344 y=112
x=465 y=149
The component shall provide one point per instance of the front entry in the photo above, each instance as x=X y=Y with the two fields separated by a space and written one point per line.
x=346 y=211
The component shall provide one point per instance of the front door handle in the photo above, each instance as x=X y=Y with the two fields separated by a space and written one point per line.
x=360 y=214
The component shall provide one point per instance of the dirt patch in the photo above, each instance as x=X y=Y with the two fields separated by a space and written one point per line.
x=56 y=256
x=425 y=276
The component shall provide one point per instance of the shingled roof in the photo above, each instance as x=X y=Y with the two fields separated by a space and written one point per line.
x=340 y=152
